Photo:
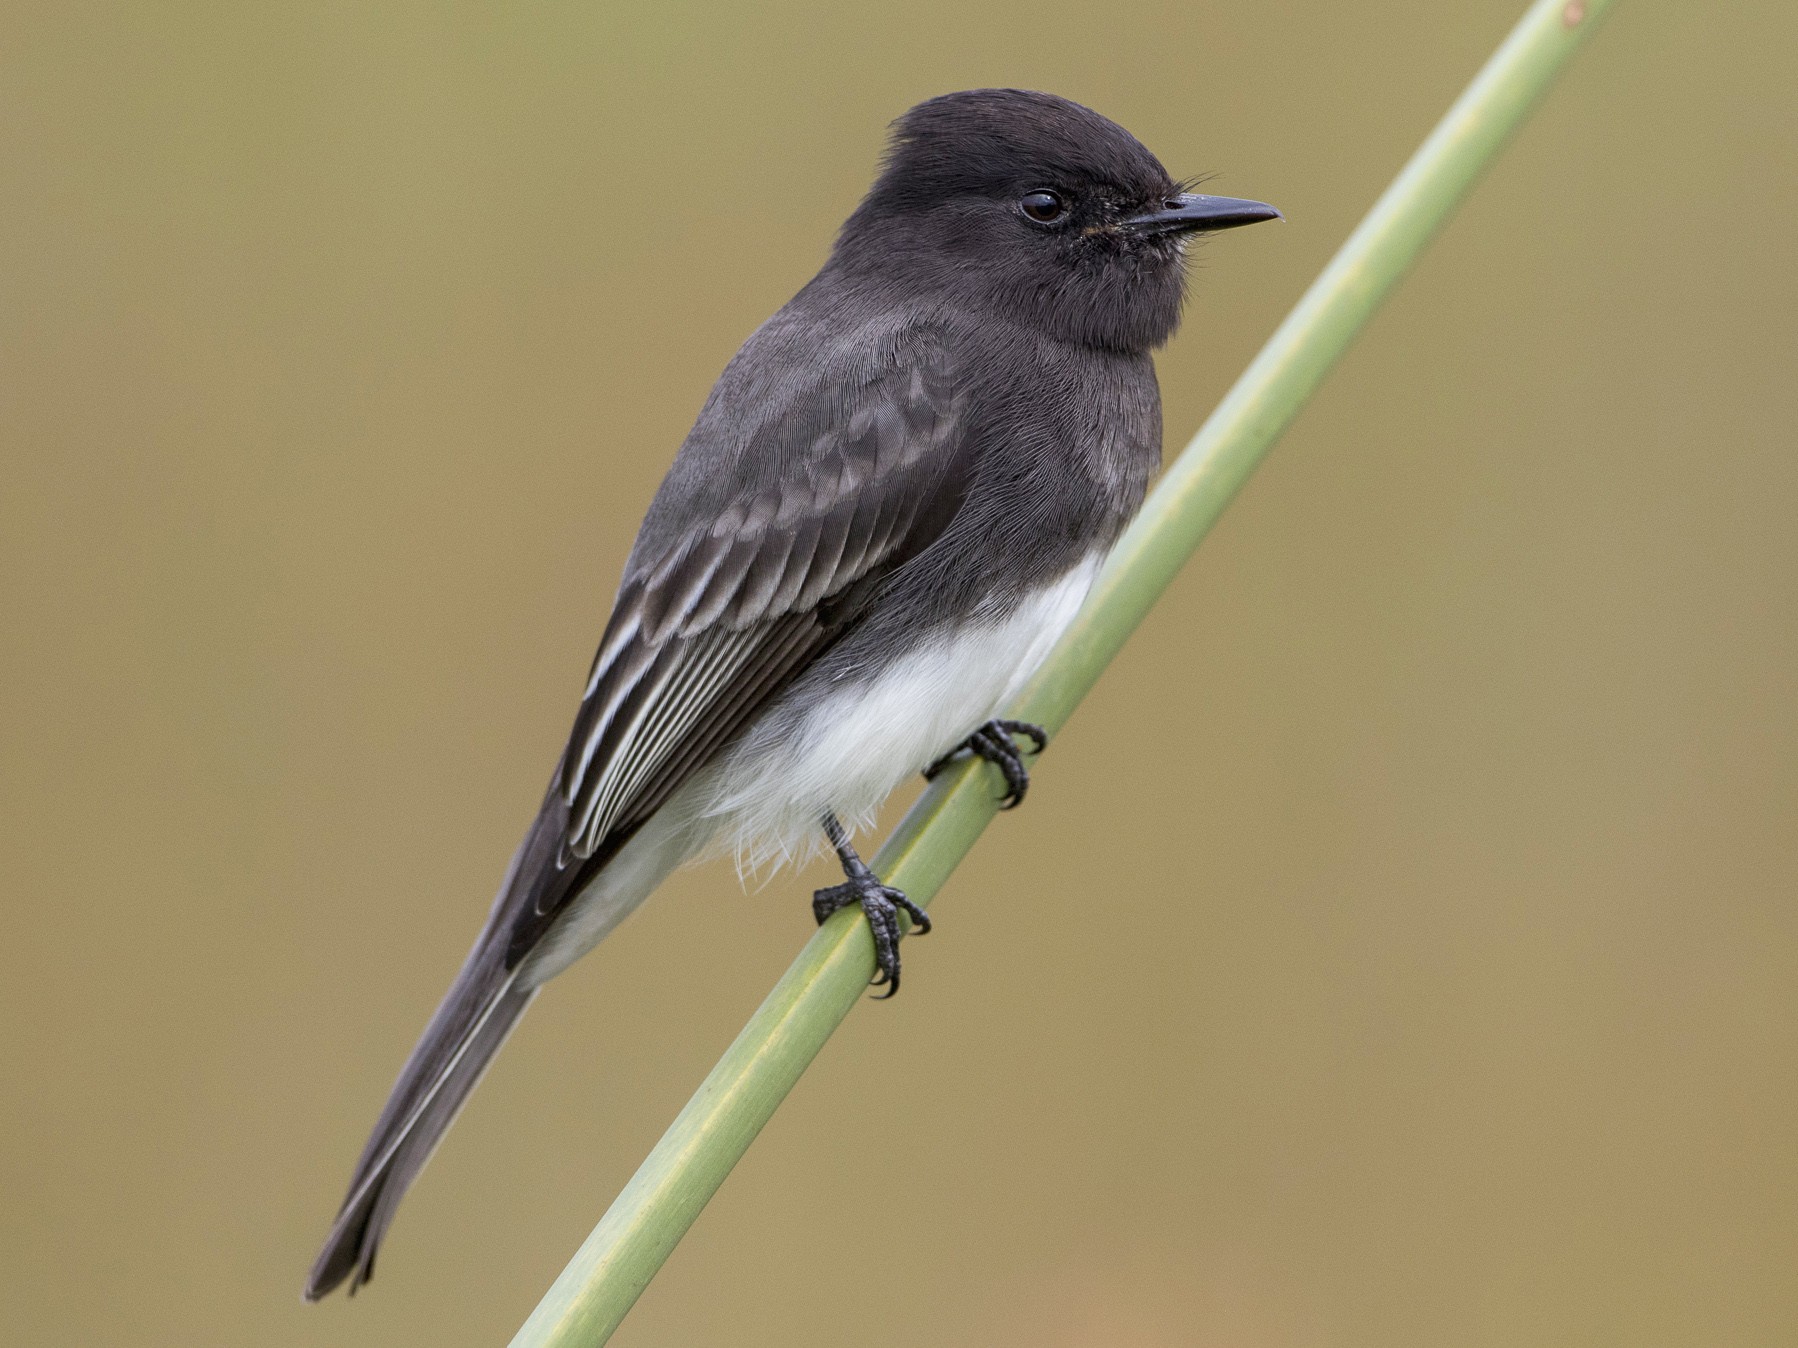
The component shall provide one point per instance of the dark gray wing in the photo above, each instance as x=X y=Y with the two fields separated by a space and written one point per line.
x=795 y=532
x=709 y=629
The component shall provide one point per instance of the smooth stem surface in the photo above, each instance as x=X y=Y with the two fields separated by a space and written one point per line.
x=830 y=975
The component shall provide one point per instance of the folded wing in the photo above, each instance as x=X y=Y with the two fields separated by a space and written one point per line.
x=711 y=626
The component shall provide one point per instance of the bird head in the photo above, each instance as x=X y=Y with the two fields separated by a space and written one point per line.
x=1040 y=209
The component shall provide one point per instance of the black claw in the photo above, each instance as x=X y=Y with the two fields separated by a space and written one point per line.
x=882 y=905
x=920 y=920
x=993 y=742
x=998 y=749
x=1035 y=732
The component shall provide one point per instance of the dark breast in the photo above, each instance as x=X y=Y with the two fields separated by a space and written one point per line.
x=1062 y=444
x=1065 y=440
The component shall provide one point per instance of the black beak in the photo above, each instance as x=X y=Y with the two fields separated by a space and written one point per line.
x=1191 y=213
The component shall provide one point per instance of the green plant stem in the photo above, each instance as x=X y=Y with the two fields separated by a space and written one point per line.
x=686 y=1167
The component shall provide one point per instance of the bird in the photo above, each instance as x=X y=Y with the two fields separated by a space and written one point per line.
x=888 y=509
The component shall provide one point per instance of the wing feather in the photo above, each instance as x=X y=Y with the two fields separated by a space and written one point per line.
x=711 y=625
x=767 y=564
x=781 y=654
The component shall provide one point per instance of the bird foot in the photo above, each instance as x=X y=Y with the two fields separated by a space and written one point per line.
x=995 y=742
x=882 y=904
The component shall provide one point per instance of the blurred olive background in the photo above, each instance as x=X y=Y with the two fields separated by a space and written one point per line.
x=1400 y=947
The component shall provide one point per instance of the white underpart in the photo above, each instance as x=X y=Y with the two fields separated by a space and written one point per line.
x=854 y=747
x=764 y=800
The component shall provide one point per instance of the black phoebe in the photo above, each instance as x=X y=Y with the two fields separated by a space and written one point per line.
x=891 y=505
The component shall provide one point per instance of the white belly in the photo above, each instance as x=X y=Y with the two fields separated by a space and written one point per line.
x=766 y=799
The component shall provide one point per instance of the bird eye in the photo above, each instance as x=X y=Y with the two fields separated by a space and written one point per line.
x=1044 y=207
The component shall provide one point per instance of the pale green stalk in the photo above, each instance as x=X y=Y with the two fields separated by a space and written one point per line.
x=830 y=975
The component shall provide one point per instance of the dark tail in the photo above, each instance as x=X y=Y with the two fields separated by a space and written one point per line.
x=476 y=1016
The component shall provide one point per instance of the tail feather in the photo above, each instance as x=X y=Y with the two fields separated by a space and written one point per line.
x=470 y=1025
x=479 y=1012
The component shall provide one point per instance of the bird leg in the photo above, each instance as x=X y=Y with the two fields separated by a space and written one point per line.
x=881 y=903
x=994 y=742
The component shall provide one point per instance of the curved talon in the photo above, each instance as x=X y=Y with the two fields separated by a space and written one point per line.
x=997 y=748
x=880 y=904
x=1037 y=734
x=994 y=742
x=920 y=920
